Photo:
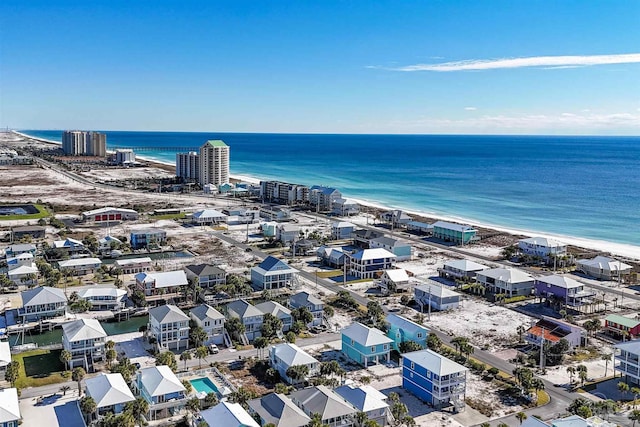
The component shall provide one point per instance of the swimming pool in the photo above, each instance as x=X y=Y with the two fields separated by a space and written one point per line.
x=204 y=385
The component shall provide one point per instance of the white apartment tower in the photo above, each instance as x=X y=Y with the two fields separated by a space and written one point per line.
x=214 y=163
x=188 y=165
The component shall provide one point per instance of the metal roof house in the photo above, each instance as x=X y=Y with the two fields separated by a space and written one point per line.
x=163 y=286
x=273 y=273
x=80 y=266
x=506 y=280
x=164 y=392
x=208 y=275
x=170 y=326
x=104 y=298
x=456 y=233
x=366 y=399
x=9 y=407
x=42 y=303
x=368 y=263
x=211 y=321
x=109 y=214
x=315 y=306
x=565 y=289
x=603 y=268
x=461 y=269
x=627 y=360
x=228 y=414
x=250 y=316
x=278 y=310
x=437 y=296
x=542 y=247
x=333 y=409
x=85 y=339
x=365 y=345
x=110 y=392
x=279 y=410
x=402 y=330
x=283 y=356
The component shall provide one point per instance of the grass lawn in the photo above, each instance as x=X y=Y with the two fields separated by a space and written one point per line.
x=42 y=213
x=170 y=216
x=543 y=398
x=39 y=367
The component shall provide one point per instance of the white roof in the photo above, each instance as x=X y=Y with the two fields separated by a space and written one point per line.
x=19 y=247
x=543 y=241
x=43 y=295
x=165 y=279
x=292 y=355
x=160 y=380
x=273 y=307
x=632 y=347
x=205 y=311
x=5 y=353
x=209 y=213
x=109 y=389
x=365 y=398
x=68 y=242
x=604 y=263
x=83 y=329
x=106 y=239
x=453 y=226
x=9 y=405
x=168 y=314
x=365 y=335
x=20 y=257
x=560 y=281
x=95 y=292
x=108 y=209
x=465 y=265
x=398 y=275
x=23 y=269
x=437 y=290
x=76 y=262
x=342 y=224
x=508 y=275
x=375 y=253
x=143 y=260
x=434 y=362
x=228 y=415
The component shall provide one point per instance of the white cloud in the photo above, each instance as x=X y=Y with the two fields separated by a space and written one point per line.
x=470 y=108
x=548 y=62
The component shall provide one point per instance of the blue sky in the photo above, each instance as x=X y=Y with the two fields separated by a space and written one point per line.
x=496 y=67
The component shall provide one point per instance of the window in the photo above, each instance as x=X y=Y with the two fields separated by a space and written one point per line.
x=373 y=349
x=413 y=366
x=352 y=342
x=419 y=335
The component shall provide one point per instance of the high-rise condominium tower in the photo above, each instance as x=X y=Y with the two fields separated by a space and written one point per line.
x=214 y=163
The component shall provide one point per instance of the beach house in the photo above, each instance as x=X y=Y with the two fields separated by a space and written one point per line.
x=542 y=247
x=207 y=275
x=322 y=198
x=20 y=248
x=109 y=214
x=419 y=227
x=9 y=408
x=506 y=281
x=436 y=296
x=434 y=379
x=345 y=207
x=277 y=310
x=392 y=281
x=368 y=400
x=274 y=213
x=170 y=327
x=279 y=410
x=331 y=256
x=33 y=231
x=400 y=329
x=312 y=303
x=283 y=356
x=228 y=414
x=104 y=298
x=552 y=330
x=107 y=244
x=272 y=273
x=164 y=392
x=22 y=270
x=456 y=233
x=287 y=233
x=85 y=339
x=333 y=409
x=162 y=287
x=563 y=289
x=365 y=345
x=80 y=266
x=401 y=250
x=362 y=238
x=622 y=327
x=148 y=238
x=461 y=269
x=396 y=218
x=110 y=392
x=250 y=317
x=369 y=263
x=42 y=303
x=342 y=230
x=211 y=321
x=71 y=247
x=627 y=360
x=5 y=358
x=603 y=268
x=134 y=265
x=208 y=217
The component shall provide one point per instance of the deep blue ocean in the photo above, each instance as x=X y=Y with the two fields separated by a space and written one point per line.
x=578 y=186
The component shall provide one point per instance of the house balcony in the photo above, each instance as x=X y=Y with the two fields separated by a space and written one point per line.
x=168 y=404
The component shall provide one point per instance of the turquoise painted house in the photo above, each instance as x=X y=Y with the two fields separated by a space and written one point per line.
x=456 y=233
x=402 y=330
x=365 y=345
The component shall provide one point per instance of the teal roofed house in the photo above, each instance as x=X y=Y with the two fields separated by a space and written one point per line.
x=456 y=233
x=402 y=330
x=365 y=345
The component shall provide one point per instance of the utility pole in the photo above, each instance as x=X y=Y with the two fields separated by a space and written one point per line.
x=542 y=350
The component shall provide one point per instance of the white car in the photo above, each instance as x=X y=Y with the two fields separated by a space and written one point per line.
x=213 y=349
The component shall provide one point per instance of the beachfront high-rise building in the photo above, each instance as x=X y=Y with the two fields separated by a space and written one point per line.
x=96 y=144
x=188 y=166
x=214 y=163
x=80 y=143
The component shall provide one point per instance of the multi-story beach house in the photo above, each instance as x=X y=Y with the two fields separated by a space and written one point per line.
x=368 y=400
x=80 y=266
x=396 y=218
x=456 y=233
x=287 y=233
x=363 y=238
x=331 y=256
x=277 y=310
x=85 y=339
x=436 y=296
x=110 y=392
x=208 y=276
x=564 y=289
x=72 y=247
x=333 y=409
x=20 y=248
x=401 y=250
x=279 y=410
x=284 y=356
x=228 y=414
x=284 y=193
x=104 y=298
x=170 y=327
x=134 y=265
x=419 y=227
x=9 y=408
x=214 y=163
x=342 y=230
x=434 y=379
x=400 y=329
x=162 y=287
x=365 y=345
x=396 y=280
x=272 y=273
x=109 y=215
x=164 y=392
x=211 y=321
x=370 y=263
x=622 y=327
x=604 y=268
x=315 y=306
x=33 y=231
x=461 y=269
x=551 y=330
x=22 y=270
x=42 y=303
x=322 y=198
x=506 y=281
x=274 y=213
x=250 y=316
x=627 y=360
x=345 y=207
x=542 y=247
x=107 y=244
x=148 y=238
x=208 y=217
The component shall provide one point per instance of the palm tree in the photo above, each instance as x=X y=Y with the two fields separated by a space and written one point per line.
x=634 y=416
x=193 y=405
x=623 y=388
x=297 y=372
x=201 y=353
x=636 y=392
x=607 y=358
x=64 y=389
x=458 y=342
x=137 y=408
x=78 y=375
x=260 y=343
x=360 y=418
x=111 y=356
x=316 y=420
x=521 y=416
x=571 y=370
x=65 y=357
x=520 y=330
x=185 y=356
x=88 y=407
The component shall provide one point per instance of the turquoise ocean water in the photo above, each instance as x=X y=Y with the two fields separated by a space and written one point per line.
x=586 y=187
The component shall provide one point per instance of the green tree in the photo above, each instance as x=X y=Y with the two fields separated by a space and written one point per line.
x=360 y=418
x=167 y=358
x=270 y=326
x=12 y=372
x=409 y=346
x=185 y=356
x=303 y=315
x=328 y=311
x=571 y=371
x=201 y=353
x=210 y=400
x=78 y=375
x=316 y=420
x=290 y=337
x=607 y=358
x=124 y=368
x=636 y=392
x=623 y=388
x=138 y=408
x=197 y=336
x=297 y=373
x=521 y=416
x=111 y=355
x=260 y=344
x=64 y=389
x=242 y=395
x=433 y=342
x=65 y=357
x=458 y=342
x=88 y=407
x=634 y=416
x=193 y=405
x=234 y=327
x=188 y=388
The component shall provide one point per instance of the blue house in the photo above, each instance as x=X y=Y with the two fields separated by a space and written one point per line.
x=365 y=345
x=456 y=233
x=402 y=330
x=272 y=273
x=110 y=392
x=149 y=237
x=164 y=392
x=434 y=379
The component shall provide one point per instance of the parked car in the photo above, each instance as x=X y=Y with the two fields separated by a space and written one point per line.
x=213 y=349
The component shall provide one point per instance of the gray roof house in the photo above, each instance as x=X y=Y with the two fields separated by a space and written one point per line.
x=279 y=311
x=208 y=275
x=333 y=409
x=170 y=326
x=437 y=296
x=85 y=339
x=41 y=303
x=283 y=356
x=250 y=316
x=211 y=321
x=366 y=399
x=315 y=306
x=278 y=410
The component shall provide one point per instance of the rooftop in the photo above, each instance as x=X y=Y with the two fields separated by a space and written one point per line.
x=434 y=362
x=167 y=314
x=165 y=279
x=543 y=241
x=43 y=295
x=109 y=389
x=278 y=410
x=365 y=335
x=215 y=143
x=83 y=329
x=228 y=415
x=160 y=380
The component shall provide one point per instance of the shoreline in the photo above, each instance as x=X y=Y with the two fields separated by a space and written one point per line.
x=617 y=249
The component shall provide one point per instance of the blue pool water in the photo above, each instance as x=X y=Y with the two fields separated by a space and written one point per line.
x=204 y=385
